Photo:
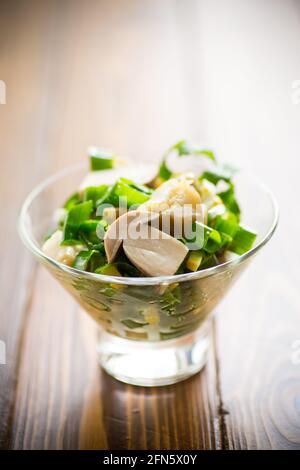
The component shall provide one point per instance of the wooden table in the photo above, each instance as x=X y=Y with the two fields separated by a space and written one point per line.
x=137 y=75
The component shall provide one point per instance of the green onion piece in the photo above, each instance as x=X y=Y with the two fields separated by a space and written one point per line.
x=168 y=335
x=103 y=199
x=213 y=243
x=132 y=324
x=184 y=147
x=108 y=269
x=94 y=193
x=100 y=159
x=242 y=241
x=227 y=223
x=206 y=238
x=216 y=175
x=76 y=216
x=226 y=240
x=164 y=171
x=126 y=269
x=139 y=187
x=72 y=201
x=228 y=198
x=88 y=260
x=209 y=261
x=208 y=153
x=126 y=192
x=88 y=233
x=170 y=299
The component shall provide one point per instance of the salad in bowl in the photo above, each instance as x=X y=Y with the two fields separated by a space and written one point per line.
x=185 y=220
x=149 y=251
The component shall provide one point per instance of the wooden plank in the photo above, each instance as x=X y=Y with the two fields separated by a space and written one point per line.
x=252 y=120
x=22 y=65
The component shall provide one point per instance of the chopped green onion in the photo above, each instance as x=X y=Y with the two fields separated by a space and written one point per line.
x=88 y=260
x=208 y=153
x=226 y=240
x=88 y=234
x=132 y=324
x=227 y=223
x=108 y=269
x=186 y=148
x=76 y=216
x=101 y=159
x=139 y=187
x=127 y=269
x=72 y=201
x=209 y=261
x=170 y=299
x=124 y=191
x=243 y=241
x=164 y=171
x=214 y=242
x=183 y=148
x=206 y=238
x=228 y=198
x=94 y=193
x=216 y=175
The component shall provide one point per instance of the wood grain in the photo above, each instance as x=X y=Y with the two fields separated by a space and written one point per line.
x=258 y=323
x=135 y=76
x=21 y=133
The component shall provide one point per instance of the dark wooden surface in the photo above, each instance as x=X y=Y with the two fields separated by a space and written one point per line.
x=136 y=75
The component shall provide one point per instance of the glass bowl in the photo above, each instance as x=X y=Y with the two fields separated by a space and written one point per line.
x=153 y=330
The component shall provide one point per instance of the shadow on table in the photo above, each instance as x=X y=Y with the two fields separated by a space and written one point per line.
x=169 y=417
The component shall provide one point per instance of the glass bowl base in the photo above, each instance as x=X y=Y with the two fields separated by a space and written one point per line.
x=154 y=363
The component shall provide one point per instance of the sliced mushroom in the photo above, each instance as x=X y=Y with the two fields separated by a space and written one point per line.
x=178 y=221
x=120 y=229
x=155 y=253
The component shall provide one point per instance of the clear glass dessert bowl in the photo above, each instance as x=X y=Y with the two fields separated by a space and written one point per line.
x=153 y=330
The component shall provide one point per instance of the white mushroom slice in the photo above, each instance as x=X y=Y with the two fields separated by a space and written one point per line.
x=174 y=192
x=178 y=221
x=155 y=253
x=64 y=254
x=119 y=230
x=140 y=173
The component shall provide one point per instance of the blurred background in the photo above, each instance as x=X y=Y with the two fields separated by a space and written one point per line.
x=136 y=76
